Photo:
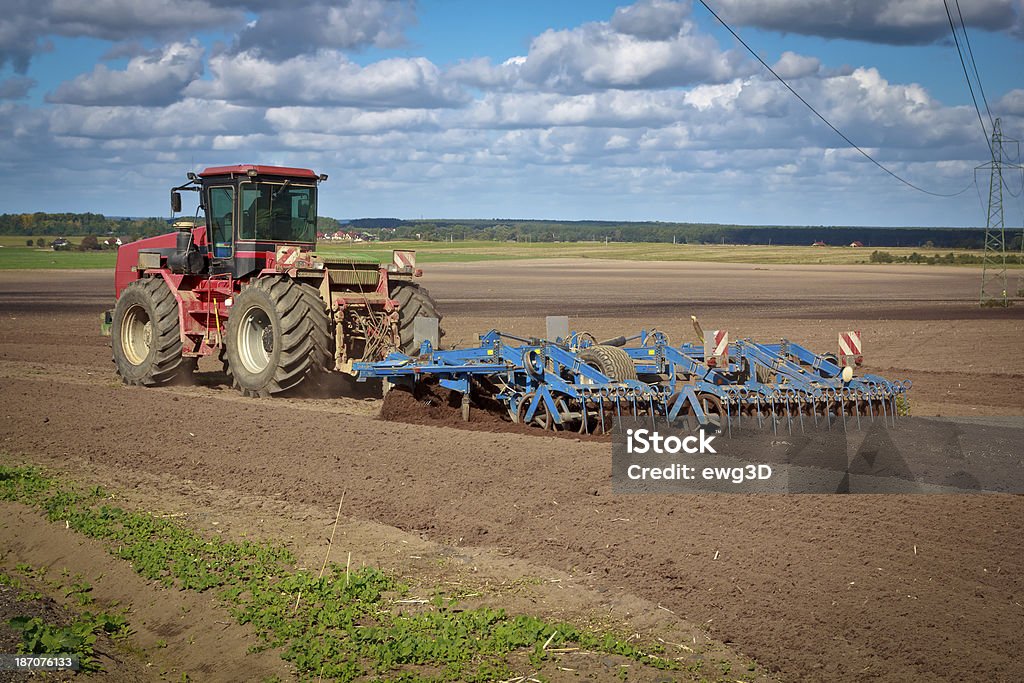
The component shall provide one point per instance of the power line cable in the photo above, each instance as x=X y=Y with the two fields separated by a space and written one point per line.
x=826 y=121
x=970 y=87
x=984 y=99
x=974 y=64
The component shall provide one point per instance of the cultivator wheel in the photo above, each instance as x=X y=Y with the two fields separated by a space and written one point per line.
x=278 y=337
x=831 y=358
x=541 y=416
x=413 y=302
x=713 y=408
x=609 y=360
x=146 y=336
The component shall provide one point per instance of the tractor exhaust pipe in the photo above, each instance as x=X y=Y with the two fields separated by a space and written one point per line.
x=186 y=257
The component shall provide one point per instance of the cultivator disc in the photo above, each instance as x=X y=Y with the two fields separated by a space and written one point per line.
x=577 y=384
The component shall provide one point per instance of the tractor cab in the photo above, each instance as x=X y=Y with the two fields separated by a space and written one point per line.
x=251 y=211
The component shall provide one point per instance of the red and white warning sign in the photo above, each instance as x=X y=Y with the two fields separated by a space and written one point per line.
x=850 y=349
x=716 y=348
x=404 y=258
x=287 y=256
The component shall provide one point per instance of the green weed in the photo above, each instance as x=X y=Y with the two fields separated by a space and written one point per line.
x=77 y=638
x=343 y=625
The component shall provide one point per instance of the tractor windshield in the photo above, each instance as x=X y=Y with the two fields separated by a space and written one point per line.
x=278 y=212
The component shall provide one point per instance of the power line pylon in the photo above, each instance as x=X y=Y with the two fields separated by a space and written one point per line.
x=993 y=265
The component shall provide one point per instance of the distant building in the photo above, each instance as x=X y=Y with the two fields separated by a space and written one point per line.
x=856 y=243
x=60 y=243
x=346 y=236
x=819 y=243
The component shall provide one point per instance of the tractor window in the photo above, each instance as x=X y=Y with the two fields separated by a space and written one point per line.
x=278 y=212
x=222 y=207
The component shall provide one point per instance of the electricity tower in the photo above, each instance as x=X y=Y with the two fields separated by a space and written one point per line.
x=993 y=266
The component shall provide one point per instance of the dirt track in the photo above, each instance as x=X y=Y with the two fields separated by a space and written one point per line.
x=817 y=588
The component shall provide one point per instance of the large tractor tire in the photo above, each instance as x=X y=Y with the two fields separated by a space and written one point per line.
x=413 y=301
x=278 y=337
x=609 y=360
x=146 y=335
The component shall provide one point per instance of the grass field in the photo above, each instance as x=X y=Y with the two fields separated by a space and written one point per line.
x=15 y=255
x=31 y=258
x=437 y=252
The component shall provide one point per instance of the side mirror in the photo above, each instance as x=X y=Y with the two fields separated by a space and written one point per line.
x=176 y=202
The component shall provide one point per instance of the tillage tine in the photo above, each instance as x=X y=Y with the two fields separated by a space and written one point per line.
x=842 y=409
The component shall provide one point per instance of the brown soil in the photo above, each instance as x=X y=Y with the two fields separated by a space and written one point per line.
x=815 y=587
x=118 y=665
x=430 y=404
x=174 y=632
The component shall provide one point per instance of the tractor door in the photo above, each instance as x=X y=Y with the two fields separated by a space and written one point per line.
x=222 y=224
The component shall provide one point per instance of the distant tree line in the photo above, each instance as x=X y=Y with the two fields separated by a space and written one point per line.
x=502 y=230
x=940 y=259
x=62 y=224
x=682 y=233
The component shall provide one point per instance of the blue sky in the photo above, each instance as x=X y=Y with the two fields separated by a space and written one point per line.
x=459 y=108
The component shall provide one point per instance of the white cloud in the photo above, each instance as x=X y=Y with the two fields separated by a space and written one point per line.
x=349 y=120
x=149 y=80
x=26 y=26
x=120 y=19
x=277 y=30
x=16 y=87
x=792 y=65
x=653 y=44
x=651 y=19
x=881 y=21
x=190 y=116
x=614 y=108
x=289 y=29
x=1012 y=103
x=326 y=78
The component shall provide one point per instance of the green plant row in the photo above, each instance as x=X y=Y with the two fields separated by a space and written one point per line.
x=39 y=637
x=342 y=625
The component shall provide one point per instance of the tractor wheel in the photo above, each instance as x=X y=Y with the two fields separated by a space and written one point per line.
x=609 y=360
x=278 y=337
x=413 y=301
x=146 y=335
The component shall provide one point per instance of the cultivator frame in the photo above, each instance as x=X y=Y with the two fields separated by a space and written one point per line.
x=550 y=385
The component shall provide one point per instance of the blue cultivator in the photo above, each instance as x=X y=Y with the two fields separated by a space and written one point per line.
x=577 y=383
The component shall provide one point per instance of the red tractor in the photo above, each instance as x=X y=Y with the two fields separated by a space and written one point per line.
x=248 y=286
